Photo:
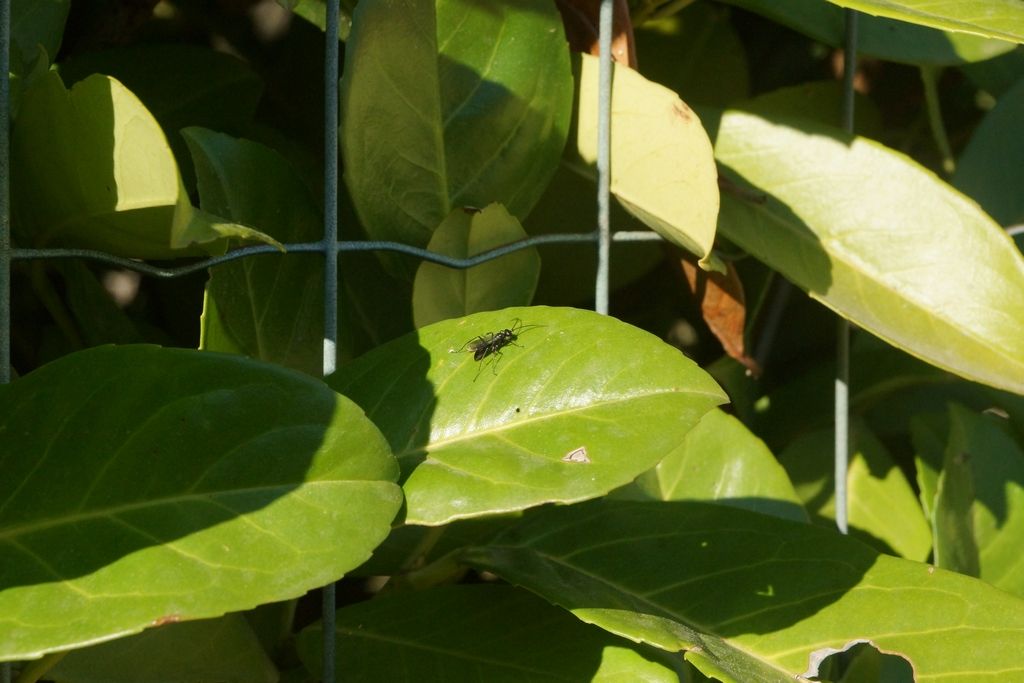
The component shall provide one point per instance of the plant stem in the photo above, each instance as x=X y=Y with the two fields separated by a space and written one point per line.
x=930 y=78
x=37 y=668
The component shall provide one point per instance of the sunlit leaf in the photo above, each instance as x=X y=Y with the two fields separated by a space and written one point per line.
x=995 y=459
x=721 y=460
x=93 y=169
x=577 y=405
x=146 y=486
x=880 y=37
x=1002 y=19
x=662 y=166
x=880 y=240
x=482 y=118
x=181 y=85
x=882 y=508
x=750 y=597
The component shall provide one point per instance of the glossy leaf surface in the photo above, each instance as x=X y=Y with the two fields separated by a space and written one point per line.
x=38 y=23
x=752 y=597
x=662 y=166
x=988 y=169
x=721 y=460
x=464 y=633
x=93 y=169
x=878 y=36
x=224 y=649
x=147 y=486
x=440 y=292
x=483 y=118
x=579 y=404
x=984 y=446
x=181 y=85
x=882 y=508
x=270 y=307
x=881 y=241
x=1003 y=19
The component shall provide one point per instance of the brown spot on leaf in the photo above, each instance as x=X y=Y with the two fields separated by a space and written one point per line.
x=168 y=619
x=680 y=109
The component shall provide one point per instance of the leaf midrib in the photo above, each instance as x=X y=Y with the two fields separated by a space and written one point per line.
x=209 y=497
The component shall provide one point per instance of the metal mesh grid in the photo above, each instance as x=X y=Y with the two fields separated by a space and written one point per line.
x=330 y=247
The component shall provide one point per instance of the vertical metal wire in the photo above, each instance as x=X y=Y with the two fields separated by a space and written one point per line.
x=5 y=197
x=330 y=248
x=604 y=136
x=330 y=240
x=842 y=381
x=5 y=217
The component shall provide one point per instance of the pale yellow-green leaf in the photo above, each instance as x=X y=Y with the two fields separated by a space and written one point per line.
x=662 y=165
x=1002 y=19
x=93 y=169
x=880 y=240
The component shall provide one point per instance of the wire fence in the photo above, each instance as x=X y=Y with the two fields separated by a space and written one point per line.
x=602 y=237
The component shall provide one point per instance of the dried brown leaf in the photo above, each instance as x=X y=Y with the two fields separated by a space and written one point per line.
x=723 y=307
x=581 y=20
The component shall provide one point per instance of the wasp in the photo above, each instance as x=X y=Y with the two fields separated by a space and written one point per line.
x=491 y=344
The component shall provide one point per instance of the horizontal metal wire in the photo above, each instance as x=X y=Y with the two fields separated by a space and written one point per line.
x=318 y=247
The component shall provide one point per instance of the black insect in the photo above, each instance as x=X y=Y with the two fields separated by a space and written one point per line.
x=491 y=344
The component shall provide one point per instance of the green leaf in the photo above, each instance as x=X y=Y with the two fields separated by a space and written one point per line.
x=440 y=293
x=663 y=169
x=1002 y=19
x=997 y=75
x=752 y=597
x=676 y=50
x=92 y=169
x=929 y=433
x=821 y=101
x=483 y=118
x=882 y=507
x=224 y=649
x=881 y=241
x=996 y=463
x=578 y=405
x=987 y=169
x=952 y=519
x=145 y=486
x=37 y=23
x=569 y=270
x=270 y=306
x=470 y=633
x=720 y=460
x=181 y=85
x=877 y=36
x=99 y=319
